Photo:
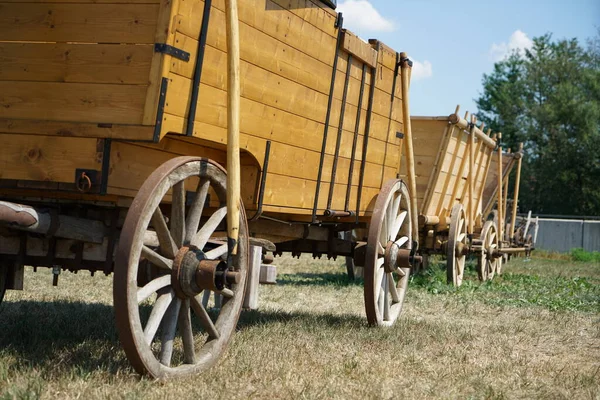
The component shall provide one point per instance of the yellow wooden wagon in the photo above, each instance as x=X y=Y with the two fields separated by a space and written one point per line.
x=453 y=157
x=114 y=119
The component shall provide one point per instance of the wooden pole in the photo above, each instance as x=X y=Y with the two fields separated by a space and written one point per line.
x=500 y=218
x=471 y=173
x=233 y=123
x=516 y=194
x=406 y=69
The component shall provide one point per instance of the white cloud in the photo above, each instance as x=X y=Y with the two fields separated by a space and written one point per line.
x=518 y=41
x=421 y=70
x=361 y=15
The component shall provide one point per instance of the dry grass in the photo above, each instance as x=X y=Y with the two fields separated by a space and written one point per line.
x=310 y=340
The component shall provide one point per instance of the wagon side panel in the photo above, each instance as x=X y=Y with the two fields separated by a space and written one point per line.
x=286 y=82
x=81 y=62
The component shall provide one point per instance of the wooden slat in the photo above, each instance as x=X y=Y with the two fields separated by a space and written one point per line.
x=93 y=23
x=73 y=129
x=305 y=162
x=86 y=1
x=79 y=63
x=46 y=158
x=267 y=17
x=81 y=102
x=359 y=48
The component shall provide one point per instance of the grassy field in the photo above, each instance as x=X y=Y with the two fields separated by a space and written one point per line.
x=532 y=333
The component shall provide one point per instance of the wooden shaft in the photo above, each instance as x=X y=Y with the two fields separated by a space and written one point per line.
x=516 y=194
x=455 y=119
x=500 y=219
x=408 y=143
x=471 y=207
x=233 y=123
x=505 y=197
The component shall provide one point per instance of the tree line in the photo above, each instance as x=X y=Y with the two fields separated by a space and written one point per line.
x=548 y=97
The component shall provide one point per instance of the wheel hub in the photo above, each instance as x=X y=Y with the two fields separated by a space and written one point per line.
x=192 y=273
x=395 y=257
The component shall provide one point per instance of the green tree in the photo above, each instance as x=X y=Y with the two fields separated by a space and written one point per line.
x=549 y=98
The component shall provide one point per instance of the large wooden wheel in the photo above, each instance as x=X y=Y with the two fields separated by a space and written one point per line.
x=486 y=261
x=457 y=246
x=164 y=264
x=388 y=249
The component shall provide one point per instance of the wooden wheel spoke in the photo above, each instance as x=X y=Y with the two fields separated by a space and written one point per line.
x=178 y=213
x=204 y=318
x=398 y=224
x=156 y=259
x=209 y=228
x=402 y=241
x=158 y=311
x=227 y=293
x=379 y=273
x=461 y=237
x=380 y=249
x=384 y=302
x=461 y=223
x=165 y=240
x=187 y=335
x=384 y=235
x=153 y=286
x=217 y=252
x=392 y=288
x=192 y=223
x=169 y=328
x=492 y=237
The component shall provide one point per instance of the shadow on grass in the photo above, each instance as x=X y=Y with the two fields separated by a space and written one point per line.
x=251 y=318
x=318 y=279
x=55 y=337
x=52 y=335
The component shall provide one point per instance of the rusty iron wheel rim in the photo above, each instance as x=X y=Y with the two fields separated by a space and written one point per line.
x=457 y=236
x=195 y=349
x=391 y=221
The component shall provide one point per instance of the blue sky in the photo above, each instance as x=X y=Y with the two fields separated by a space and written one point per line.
x=455 y=43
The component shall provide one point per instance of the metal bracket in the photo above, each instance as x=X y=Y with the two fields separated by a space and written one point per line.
x=339 y=21
x=87 y=180
x=410 y=63
x=330 y=3
x=161 y=108
x=172 y=51
x=400 y=135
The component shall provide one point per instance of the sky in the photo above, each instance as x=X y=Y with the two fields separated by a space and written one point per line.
x=454 y=43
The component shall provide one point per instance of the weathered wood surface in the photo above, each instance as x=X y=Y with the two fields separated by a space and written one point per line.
x=444 y=169
x=73 y=66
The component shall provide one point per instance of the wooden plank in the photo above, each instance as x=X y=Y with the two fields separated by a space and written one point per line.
x=81 y=102
x=73 y=129
x=47 y=158
x=267 y=17
x=292 y=161
x=87 y=1
x=91 y=22
x=164 y=33
x=257 y=118
x=79 y=63
x=359 y=48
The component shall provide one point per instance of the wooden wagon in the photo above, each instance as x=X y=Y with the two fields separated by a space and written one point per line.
x=116 y=118
x=517 y=234
x=453 y=157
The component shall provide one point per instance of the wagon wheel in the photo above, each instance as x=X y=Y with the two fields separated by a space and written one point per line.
x=162 y=269
x=486 y=261
x=457 y=247
x=388 y=250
